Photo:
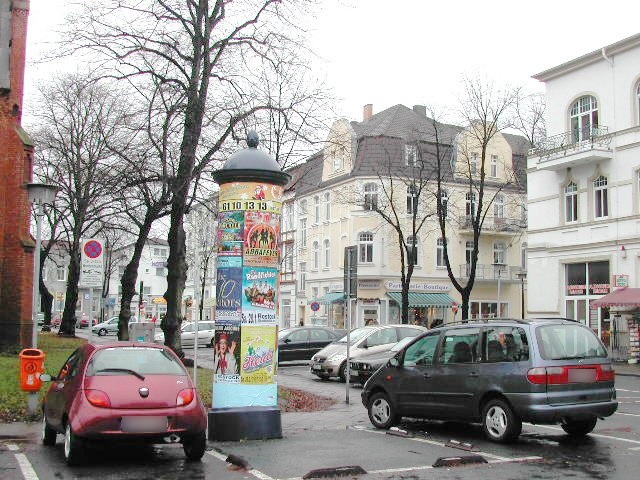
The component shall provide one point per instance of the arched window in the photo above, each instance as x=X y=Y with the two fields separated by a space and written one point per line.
x=600 y=199
x=412 y=250
x=412 y=200
x=316 y=255
x=365 y=247
x=584 y=118
x=327 y=254
x=370 y=196
x=571 y=203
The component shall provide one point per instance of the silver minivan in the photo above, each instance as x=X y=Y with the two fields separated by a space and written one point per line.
x=331 y=361
x=499 y=373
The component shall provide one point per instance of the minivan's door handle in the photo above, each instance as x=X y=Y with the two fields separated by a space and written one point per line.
x=473 y=374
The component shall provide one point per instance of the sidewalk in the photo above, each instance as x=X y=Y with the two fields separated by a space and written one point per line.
x=627 y=369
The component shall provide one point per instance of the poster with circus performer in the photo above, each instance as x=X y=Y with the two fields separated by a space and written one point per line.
x=262 y=230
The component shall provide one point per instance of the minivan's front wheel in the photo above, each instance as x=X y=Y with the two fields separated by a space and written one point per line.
x=381 y=411
x=579 y=428
x=499 y=422
x=73 y=446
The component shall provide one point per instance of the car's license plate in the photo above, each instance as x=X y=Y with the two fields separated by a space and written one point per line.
x=316 y=367
x=354 y=373
x=582 y=375
x=148 y=424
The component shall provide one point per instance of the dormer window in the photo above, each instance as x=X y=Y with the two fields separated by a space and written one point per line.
x=410 y=155
x=338 y=164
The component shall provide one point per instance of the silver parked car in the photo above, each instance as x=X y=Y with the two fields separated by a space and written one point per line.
x=109 y=327
x=499 y=373
x=206 y=334
x=331 y=361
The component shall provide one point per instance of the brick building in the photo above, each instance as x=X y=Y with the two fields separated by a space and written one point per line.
x=16 y=152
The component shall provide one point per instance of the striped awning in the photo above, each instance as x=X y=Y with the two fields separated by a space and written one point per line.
x=332 y=297
x=420 y=299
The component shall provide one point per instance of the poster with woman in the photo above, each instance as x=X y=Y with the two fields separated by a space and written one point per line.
x=226 y=355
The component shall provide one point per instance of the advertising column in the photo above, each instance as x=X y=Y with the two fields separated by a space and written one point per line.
x=245 y=391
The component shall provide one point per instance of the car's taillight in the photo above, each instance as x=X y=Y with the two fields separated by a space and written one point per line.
x=185 y=397
x=537 y=376
x=98 y=398
x=606 y=373
x=557 y=375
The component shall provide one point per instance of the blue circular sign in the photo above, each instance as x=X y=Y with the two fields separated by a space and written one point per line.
x=315 y=306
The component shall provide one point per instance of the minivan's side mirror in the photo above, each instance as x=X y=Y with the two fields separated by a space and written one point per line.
x=394 y=362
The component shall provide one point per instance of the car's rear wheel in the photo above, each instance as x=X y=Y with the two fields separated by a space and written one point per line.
x=195 y=446
x=73 y=447
x=579 y=428
x=48 y=433
x=102 y=332
x=499 y=422
x=382 y=413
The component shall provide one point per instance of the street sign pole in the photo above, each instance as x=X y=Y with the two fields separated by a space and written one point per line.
x=351 y=291
x=90 y=314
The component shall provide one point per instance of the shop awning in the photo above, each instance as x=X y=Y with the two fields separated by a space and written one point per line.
x=332 y=297
x=419 y=299
x=622 y=297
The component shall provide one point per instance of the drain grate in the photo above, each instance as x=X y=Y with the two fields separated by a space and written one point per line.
x=457 y=461
x=335 y=472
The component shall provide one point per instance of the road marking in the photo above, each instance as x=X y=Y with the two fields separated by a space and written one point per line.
x=25 y=466
x=628 y=391
x=634 y=448
x=256 y=473
x=628 y=414
x=598 y=435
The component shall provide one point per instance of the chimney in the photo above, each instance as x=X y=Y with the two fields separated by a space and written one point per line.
x=420 y=110
x=367 y=112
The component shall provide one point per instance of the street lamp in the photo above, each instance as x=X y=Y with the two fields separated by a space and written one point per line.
x=39 y=194
x=522 y=275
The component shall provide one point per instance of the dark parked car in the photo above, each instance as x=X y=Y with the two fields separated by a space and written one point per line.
x=300 y=343
x=499 y=373
x=123 y=391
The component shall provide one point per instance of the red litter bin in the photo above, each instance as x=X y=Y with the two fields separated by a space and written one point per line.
x=31 y=366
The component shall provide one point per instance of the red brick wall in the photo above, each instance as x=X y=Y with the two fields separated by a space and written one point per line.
x=16 y=258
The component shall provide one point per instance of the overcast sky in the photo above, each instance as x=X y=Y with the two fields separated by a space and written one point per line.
x=416 y=51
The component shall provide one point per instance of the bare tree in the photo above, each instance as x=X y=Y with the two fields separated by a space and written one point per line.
x=486 y=111
x=75 y=117
x=203 y=50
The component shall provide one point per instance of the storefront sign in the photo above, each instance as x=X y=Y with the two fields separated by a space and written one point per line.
x=420 y=287
x=368 y=284
x=621 y=280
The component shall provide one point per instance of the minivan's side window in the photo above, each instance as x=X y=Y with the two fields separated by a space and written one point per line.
x=460 y=346
x=421 y=352
x=382 y=337
x=506 y=344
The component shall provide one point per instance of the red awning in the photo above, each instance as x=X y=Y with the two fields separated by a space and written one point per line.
x=622 y=297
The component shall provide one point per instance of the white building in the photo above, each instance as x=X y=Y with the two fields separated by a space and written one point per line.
x=583 y=185
x=152 y=272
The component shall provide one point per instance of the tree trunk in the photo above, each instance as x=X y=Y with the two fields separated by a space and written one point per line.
x=464 y=308
x=68 y=323
x=129 y=278
x=404 y=310
x=176 y=279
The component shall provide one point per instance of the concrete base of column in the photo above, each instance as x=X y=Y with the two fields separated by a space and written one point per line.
x=244 y=423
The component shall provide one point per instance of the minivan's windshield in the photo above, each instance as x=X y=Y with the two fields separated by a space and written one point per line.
x=357 y=335
x=566 y=342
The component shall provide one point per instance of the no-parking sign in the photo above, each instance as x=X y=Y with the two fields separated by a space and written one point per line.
x=91 y=265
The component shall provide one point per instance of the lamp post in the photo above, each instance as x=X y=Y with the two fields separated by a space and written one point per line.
x=522 y=275
x=39 y=194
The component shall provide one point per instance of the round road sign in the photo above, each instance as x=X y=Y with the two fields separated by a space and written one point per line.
x=93 y=249
x=315 y=306
x=454 y=308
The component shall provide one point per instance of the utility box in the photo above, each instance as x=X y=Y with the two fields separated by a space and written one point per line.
x=141 y=331
x=31 y=366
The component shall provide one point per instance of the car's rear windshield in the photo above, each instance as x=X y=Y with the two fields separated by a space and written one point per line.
x=141 y=360
x=356 y=335
x=567 y=342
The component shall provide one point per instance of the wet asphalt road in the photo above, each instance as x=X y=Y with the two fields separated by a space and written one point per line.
x=343 y=436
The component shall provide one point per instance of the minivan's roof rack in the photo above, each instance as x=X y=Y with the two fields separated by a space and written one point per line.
x=537 y=319
x=485 y=320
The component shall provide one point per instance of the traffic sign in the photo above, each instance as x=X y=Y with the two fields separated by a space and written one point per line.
x=454 y=308
x=91 y=263
x=315 y=306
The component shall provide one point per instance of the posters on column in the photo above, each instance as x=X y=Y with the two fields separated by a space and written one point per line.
x=228 y=290
x=257 y=355
x=251 y=196
x=259 y=299
x=226 y=356
x=261 y=233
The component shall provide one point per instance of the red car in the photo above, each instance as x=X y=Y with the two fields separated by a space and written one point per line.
x=123 y=391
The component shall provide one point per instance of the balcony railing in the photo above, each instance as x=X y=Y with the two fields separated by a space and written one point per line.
x=581 y=139
x=496 y=224
x=492 y=272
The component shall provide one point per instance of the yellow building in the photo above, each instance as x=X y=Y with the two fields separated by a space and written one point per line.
x=386 y=163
